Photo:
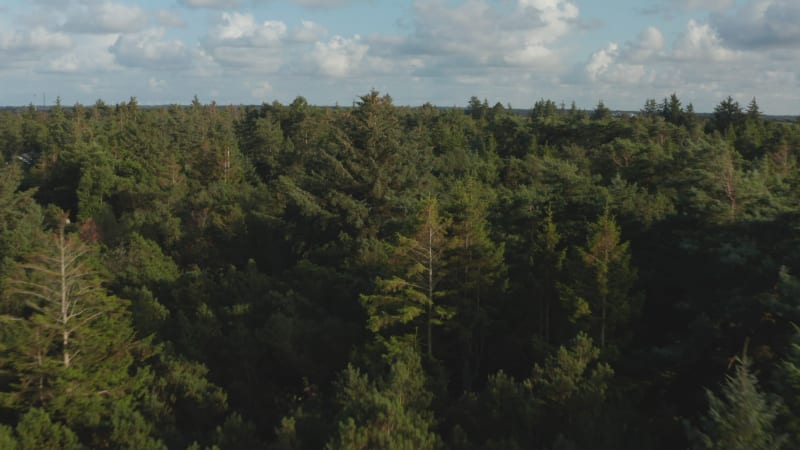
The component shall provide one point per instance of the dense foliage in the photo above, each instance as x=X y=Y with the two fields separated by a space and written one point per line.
x=383 y=277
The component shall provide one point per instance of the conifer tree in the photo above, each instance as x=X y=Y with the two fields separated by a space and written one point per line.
x=413 y=291
x=388 y=413
x=70 y=345
x=548 y=262
x=742 y=417
x=608 y=260
x=476 y=271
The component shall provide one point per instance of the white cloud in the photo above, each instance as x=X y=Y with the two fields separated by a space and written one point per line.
x=322 y=3
x=36 y=39
x=761 y=23
x=170 y=19
x=90 y=55
x=266 y=60
x=203 y=64
x=106 y=17
x=649 y=43
x=150 y=49
x=239 y=40
x=89 y=86
x=668 y=8
x=700 y=42
x=65 y=64
x=212 y=4
x=480 y=32
x=235 y=29
x=601 y=60
x=339 y=56
x=703 y=5
x=309 y=32
x=156 y=85
x=700 y=66
x=261 y=90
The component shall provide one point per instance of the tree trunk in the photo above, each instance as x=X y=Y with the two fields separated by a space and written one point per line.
x=64 y=298
x=603 y=324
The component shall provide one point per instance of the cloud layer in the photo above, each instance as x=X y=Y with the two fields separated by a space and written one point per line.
x=438 y=50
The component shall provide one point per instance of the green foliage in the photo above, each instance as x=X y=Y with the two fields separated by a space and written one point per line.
x=412 y=292
x=608 y=261
x=35 y=431
x=742 y=417
x=388 y=413
x=601 y=112
x=216 y=256
x=476 y=275
x=569 y=390
x=7 y=439
x=20 y=217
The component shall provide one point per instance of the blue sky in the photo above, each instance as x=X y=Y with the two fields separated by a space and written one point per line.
x=442 y=51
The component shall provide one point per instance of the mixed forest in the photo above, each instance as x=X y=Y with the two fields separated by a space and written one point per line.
x=383 y=277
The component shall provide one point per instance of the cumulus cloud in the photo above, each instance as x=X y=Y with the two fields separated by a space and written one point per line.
x=605 y=66
x=648 y=44
x=170 y=19
x=707 y=5
x=239 y=40
x=151 y=50
x=322 y=3
x=89 y=55
x=212 y=4
x=242 y=30
x=34 y=40
x=156 y=85
x=601 y=60
x=700 y=65
x=668 y=8
x=700 y=42
x=480 y=32
x=339 y=56
x=761 y=24
x=106 y=17
x=261 y=90
x=309 y=32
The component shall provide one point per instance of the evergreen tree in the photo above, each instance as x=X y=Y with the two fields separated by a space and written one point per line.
x=741 y=417
x=388 y=413
x=418 y=266
x=753 y=111
x=608 y=260
x=475 y=274
x=650 y=108
x=727 y=115
x=548 y=262
x=601 y=112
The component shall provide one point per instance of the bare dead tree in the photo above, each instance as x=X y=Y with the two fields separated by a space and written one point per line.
x=59 y=285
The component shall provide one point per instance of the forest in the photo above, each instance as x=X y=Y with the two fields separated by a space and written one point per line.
x=376 y=276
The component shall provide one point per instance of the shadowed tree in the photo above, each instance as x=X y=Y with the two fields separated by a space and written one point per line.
x=741 y=418
x=608 y=260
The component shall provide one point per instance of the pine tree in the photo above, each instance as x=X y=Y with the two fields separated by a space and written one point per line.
x=70 y=349
x=601 y=112
x=608 y=260
x=387 y=413
x=476 y=270
x=741 y=418
x=727 y=115
x=412 y=292
x=548 y=262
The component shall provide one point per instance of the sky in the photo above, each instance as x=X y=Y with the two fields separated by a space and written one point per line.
x=515 y=52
